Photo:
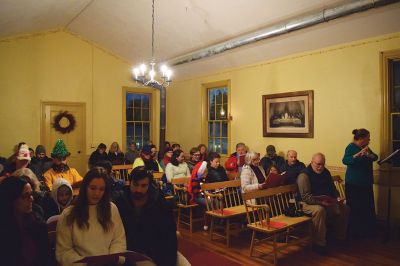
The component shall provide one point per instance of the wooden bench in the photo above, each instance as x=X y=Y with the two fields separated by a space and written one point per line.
x=122 y=171
x=180 y=189
x=339 y=184
x=224 y=201
x=265 y=214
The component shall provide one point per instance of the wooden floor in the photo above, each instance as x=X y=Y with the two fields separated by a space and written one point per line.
x=358 y=252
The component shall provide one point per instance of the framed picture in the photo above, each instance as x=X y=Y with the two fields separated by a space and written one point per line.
x=288 y=115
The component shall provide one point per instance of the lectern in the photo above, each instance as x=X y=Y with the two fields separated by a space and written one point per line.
x=389 y=173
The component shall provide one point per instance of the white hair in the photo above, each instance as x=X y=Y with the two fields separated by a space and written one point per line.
x=250 y=155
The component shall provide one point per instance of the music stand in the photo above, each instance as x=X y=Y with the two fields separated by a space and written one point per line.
x=389 y=160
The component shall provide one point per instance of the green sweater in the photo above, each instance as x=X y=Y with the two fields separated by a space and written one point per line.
x=359 y=170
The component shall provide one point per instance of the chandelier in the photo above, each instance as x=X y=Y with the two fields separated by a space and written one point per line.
x=146 y=74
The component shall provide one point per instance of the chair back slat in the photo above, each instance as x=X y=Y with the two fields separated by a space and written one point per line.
x=339 y=184
x=121 y=171
x=180 y=189
x=276 y=198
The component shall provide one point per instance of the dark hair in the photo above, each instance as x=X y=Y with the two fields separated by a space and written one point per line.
x=102 y=146
x=139 y=173
x=107 y=165
x=175 y=145
x=194 y=150
x=10 y=190
x=167 y=142
x=202 y=145
x=174 y=157
x=273 y=166
x=213 y=155
x=360 y=133
x=153 y=146
x=80 y=209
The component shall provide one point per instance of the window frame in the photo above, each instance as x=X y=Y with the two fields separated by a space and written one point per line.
x=386 y=124
x=205 y=114
x=153 y=108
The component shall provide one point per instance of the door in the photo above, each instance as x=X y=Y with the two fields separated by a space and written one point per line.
x=75 y=140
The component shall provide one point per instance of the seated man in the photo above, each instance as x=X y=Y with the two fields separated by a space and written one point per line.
x=271 y=158
x=41 y=163
x=292 y=167
x=60 y=169
x=235 y=162
x=321 y=200
x=149 y=223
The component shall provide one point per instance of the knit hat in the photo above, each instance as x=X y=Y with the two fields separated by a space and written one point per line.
x=60 y=150
x=40 y=149
x=23 y=153
x=202 y=168
x=146 y=149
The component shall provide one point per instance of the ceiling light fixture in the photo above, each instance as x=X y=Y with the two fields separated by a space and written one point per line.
x=146 y=74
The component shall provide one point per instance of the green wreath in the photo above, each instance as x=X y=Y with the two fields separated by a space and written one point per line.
x=71 y=122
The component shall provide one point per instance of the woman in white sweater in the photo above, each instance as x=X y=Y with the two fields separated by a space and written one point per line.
x=92 y=226
x=177 y=166
x=252 y=176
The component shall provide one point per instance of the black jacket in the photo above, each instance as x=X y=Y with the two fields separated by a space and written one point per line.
x=152 y=231
x=292 y=171
x=11 y=243
x=116 y=159
x=96 y=156
x=267 y=162
x=216 y=175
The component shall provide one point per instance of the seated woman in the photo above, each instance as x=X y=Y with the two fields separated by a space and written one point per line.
x=58 y=199
x=252 y=176
x=167 y=157
x=194 y=158
x=203 y=151
x=115 y=155
x=177 y=167
x=23 y=239
x=92 y=225
x=216 y=173
x=273 y=169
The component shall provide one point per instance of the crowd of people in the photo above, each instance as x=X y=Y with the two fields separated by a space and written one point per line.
x=107 y=216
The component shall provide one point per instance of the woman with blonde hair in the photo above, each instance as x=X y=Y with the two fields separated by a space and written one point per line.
x=115 y=155
x=33 y=180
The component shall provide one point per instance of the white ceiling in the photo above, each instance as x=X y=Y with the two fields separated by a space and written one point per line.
x=123 y=27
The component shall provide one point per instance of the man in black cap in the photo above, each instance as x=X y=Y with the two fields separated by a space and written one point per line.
x=40 y=163
x=271 y=158
x=147 y=159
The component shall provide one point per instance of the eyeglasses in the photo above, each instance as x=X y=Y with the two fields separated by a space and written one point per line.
x=319 y=164
x=196 y=154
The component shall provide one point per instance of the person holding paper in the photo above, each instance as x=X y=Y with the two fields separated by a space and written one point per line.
x=292 y=167
x=321 y=200
x=148 y=220
x=253 y=175
x=92 y=226
x=358 y=157
x=235 y=162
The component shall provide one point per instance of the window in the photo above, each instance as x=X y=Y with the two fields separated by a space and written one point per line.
x=138 y=118
x=394 y=107
x=217 y=118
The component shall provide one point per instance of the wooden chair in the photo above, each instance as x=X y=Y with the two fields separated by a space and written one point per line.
x=157 y=176
x=265 y=214
x=224 y=202
x=339 y=184
x=180 y=189
x=122 y=172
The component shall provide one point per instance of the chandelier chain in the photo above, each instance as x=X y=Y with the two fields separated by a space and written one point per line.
x=152 y=31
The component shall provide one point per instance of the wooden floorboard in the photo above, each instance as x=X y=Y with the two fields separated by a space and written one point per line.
x=359 y=252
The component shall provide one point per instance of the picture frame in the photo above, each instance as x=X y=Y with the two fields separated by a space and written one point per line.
x=288 y=115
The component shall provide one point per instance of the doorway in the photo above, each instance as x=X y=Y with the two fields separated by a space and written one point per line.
x=75 y=140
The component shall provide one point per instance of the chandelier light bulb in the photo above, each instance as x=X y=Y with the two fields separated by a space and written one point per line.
x=143 y=69
x=163 y=69
x=169 y=74
x=152 y=74
x=222 y=112
x=136 y=71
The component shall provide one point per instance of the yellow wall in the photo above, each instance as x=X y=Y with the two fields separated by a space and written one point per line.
x=59 y=66
x=347 y=95
x=347 y=90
